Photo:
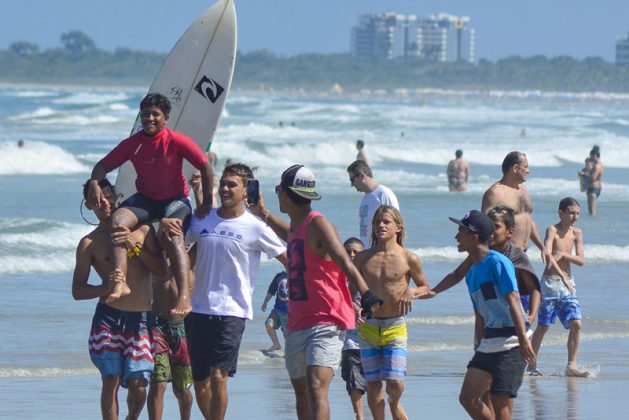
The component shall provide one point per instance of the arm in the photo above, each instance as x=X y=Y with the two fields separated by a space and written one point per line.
x=195 y=185
x=526 y=351
x=490 y=199
x=283 y=259
x=207 y=184
x=81 y=290
x=95 y=196
x=266 y=300
x=323 y=232
x=479 y=328
x=535 y=296
x=579 y=258
x=151 y=254
x=418 y=276
x=451 y=279
x=280 y=227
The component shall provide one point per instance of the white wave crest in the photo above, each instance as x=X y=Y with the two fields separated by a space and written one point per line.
x=37 y=158
x=46 y=372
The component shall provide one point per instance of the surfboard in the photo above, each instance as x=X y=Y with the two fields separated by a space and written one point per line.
x=196 y=77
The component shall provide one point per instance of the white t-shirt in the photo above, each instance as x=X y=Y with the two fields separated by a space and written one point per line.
x=368 y=206
x=228 y=259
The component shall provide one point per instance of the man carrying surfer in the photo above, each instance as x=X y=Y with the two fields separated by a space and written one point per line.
x=119 y=342
x=157 y=154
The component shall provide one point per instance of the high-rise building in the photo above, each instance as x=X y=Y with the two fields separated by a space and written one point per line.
x=439 y=38
x=622 y=51
x=372 y=37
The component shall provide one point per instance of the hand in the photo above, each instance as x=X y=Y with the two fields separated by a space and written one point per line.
x=204 y=209
x=263 y=307
x=116 y=276
x=168 y=227
x=429 y=294
x=370 y=302
x=527 y=353
x=95 y=197
x=406 y=302
x=122 y=236
x=195 y=181
x=259 y=209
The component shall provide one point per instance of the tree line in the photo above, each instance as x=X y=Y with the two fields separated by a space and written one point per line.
x=79 y=61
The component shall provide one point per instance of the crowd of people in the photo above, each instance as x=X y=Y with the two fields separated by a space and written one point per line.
x=173 y=304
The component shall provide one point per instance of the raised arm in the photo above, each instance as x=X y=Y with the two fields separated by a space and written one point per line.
x=280 y=227
x=81 y=289
x=95 y=197
x=207 y=185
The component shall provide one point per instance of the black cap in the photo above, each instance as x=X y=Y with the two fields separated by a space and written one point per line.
x=477 y=222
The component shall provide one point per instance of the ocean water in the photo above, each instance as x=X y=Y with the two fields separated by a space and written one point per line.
x=45 y=368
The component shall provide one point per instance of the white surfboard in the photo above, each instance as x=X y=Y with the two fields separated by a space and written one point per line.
x=196 y=77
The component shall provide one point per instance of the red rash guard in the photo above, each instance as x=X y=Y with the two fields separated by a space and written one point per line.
x=158 y=162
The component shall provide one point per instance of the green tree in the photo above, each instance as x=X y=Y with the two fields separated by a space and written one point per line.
x=77 y=42
x=23 y=48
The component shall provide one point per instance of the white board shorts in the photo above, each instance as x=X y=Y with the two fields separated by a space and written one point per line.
x=320 y=345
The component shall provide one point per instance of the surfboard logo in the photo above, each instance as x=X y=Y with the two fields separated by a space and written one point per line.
x=209 y=89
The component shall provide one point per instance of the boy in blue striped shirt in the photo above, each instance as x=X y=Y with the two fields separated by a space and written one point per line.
x=503 y=349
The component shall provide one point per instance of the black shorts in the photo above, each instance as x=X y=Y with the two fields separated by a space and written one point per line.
x=213 y=342
x=505 y=367
x=148 y=210
x=352 y=371
x=593 y=191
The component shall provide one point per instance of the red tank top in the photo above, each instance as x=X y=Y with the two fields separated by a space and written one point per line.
x=318 y=292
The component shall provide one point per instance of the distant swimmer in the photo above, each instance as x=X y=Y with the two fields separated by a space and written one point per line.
x=120 y=340
x=281 y=124
x=157 y=153
x=458 y=172
x=361 y=178
x=523 y=132
x=388 y=268
x=592 y=178
x=20 y=143
x=362 y=153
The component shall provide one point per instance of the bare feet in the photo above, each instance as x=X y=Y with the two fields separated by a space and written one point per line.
x=120 y=287
x=573 y=371
x=398 y=412
x=273 y=348
x=182 y=308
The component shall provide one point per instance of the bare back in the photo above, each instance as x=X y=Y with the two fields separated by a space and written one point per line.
x=519 y=200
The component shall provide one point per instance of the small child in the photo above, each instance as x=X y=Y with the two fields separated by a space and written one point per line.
x=277 y=317
x=388 y=268
x=558 y=295
x=351 y=367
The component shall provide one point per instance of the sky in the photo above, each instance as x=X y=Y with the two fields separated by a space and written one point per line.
x=577 y=28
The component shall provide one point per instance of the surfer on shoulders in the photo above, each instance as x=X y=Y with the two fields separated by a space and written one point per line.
x=157 y=154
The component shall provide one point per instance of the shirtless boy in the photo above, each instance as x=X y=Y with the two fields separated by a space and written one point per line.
x=388 y=268
x=157 y=154
x=172 y=360
x=120 y=328
x=559 y=295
